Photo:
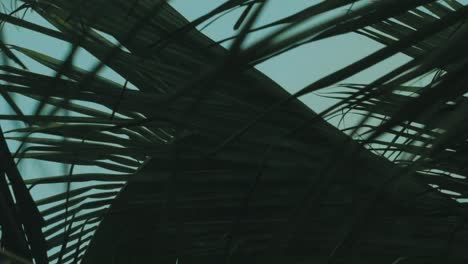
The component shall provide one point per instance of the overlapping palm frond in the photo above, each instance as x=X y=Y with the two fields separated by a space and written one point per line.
x=201 y=158
x=425 y=121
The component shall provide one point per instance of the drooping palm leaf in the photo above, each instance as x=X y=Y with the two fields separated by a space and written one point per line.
x=438 y=115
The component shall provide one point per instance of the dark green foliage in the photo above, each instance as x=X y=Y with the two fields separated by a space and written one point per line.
x=209 y=161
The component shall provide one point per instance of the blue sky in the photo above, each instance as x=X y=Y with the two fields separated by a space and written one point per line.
x=292 y=70
x=305 y=64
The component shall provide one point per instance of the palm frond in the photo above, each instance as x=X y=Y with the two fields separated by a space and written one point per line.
x=207 y=160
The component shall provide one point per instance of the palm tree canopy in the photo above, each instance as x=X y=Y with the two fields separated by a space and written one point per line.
x=207 y=160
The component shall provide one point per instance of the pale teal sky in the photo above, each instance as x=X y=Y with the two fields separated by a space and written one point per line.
x=304 y=64
x=292 y=70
